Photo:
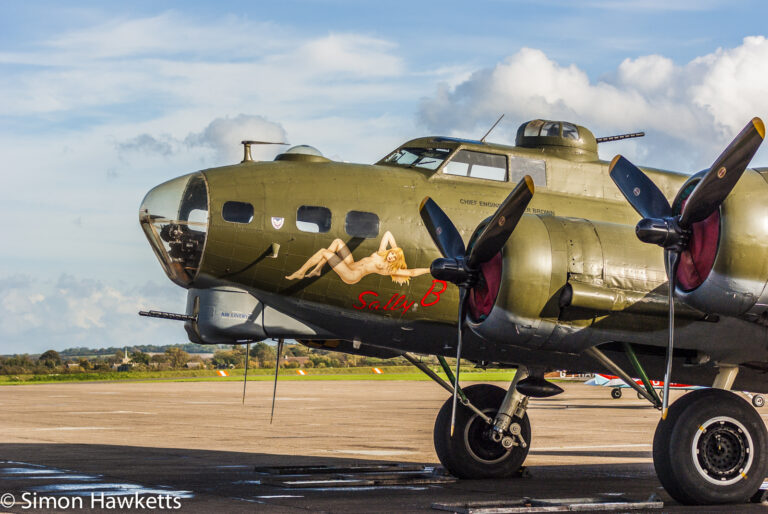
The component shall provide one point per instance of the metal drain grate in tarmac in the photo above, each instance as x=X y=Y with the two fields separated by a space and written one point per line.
x=533 y=505
x=305 y=477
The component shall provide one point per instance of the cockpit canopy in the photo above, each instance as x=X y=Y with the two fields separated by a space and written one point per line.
x=415 y=157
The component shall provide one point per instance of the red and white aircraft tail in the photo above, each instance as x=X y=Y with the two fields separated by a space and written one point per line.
x=616 y=384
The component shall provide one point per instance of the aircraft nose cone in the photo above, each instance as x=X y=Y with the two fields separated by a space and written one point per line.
x=174 y=217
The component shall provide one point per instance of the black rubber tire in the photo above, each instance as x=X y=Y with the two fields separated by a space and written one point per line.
x=615 y=393
x=675 y=460
x=758 y=400
x=469 y=454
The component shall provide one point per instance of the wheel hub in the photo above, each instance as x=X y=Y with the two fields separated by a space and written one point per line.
x=723 y=450
x=479 y=441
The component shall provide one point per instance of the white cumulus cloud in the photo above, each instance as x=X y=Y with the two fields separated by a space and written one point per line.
x=689 y=111
x=225 y=134
x=75 y=311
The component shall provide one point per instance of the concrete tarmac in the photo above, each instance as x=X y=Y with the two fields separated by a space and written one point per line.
x=198 y=443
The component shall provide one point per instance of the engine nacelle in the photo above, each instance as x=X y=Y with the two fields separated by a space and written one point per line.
x=546 y=256
x=560 y=275
x=726 y=270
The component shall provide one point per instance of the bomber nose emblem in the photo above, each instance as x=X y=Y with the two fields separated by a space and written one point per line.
x=636 y=191
x=721 y=172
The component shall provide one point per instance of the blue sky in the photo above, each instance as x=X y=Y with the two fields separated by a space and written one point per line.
x=102 y=101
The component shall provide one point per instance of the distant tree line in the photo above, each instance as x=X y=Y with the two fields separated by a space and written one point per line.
x=147 y=348
x=151 y=357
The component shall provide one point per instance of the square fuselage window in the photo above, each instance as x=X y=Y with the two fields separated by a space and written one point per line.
x=362 y=224
x=311 y=218
x=237 y=212
x=467 y=163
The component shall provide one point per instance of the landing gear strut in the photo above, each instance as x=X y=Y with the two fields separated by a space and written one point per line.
x=492 y=434
x=473 y=451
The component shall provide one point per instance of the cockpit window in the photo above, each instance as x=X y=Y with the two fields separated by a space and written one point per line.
x=427 y=158
x=467 y=163
x=570 y=131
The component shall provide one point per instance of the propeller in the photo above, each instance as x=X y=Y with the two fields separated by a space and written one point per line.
x=671 y=231
x=461 y=266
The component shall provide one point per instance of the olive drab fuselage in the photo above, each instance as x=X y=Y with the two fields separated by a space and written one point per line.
x=573 y=275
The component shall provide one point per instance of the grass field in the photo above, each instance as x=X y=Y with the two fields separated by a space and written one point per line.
x=388 y=373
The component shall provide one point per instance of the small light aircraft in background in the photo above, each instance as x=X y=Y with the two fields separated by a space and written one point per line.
x=442 y=248
x=617 y=384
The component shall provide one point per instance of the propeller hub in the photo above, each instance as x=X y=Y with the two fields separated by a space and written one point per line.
x=665 y=232
x=454 y=271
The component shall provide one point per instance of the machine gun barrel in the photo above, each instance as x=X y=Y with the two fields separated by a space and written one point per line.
x=167 y=315
x=608 y=139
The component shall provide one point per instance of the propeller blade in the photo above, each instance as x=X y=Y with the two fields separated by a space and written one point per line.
x=673 y=259
x=462 y=313
x=638 y=189
x=277 y=368
x=247 y=358
x=721 y=178
x=442 y=230
x=495 y=234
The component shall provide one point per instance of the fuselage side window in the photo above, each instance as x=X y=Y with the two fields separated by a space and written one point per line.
x=311 y=218
x=467 y=163
x=362 y=224
x=521 y=166
x=237 y=212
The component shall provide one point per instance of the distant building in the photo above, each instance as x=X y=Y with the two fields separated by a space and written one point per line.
x=301 y=360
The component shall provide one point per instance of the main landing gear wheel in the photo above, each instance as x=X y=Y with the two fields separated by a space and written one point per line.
x=471 y=453
x=712 y=448
x=615 y=393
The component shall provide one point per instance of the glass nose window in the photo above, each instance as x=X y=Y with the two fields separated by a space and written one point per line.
x=174 y=217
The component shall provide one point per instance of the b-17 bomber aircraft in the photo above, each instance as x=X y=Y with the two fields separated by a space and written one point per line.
x=537 y=256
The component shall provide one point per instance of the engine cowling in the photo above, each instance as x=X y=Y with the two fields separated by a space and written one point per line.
x=552 y=266
x=547 y=257
x=726 y=270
